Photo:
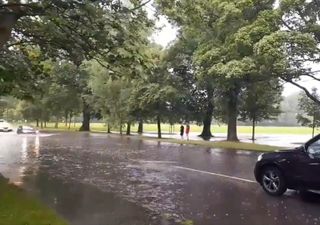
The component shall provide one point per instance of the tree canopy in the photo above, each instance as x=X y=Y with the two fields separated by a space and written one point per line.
x=228 y=62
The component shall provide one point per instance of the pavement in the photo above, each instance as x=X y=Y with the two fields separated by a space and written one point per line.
x=98 y=179
x=281 y=140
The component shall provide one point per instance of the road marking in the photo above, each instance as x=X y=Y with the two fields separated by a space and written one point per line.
x=215 y=174
x=155 y=162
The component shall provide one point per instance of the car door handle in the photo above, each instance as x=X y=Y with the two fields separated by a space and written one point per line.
x=314 y=164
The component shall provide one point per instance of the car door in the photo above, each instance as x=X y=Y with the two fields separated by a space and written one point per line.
x=310 y=164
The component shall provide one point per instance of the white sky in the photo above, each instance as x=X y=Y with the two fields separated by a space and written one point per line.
x=166 y=33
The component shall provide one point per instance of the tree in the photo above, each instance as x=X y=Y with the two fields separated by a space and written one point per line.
x=34 y=110
x=62 y=20
x=291 y=52
x=6 y=105
x=310 y=111
x=109 y=32
x=195 y=99
x=227 y=32
x=112 y=96
x=260 y=101
x=154 y=91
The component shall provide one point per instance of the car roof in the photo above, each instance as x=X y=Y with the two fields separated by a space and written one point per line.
x=27 y=127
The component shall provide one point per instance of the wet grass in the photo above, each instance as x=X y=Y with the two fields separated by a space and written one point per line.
x=195 y=128
x=219 y=144
x=17 y=208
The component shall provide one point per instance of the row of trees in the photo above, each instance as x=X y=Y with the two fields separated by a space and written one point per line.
x=235 y=45
x=229 y=61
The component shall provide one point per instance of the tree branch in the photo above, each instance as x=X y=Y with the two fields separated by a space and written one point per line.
x=140 y=6
x=313 y=98
x=313 y=77
x=286 y=25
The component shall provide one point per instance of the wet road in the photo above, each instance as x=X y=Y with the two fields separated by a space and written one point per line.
x=95 y=179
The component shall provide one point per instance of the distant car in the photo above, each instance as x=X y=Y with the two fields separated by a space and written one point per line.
x=297 y=169
x=26 y=130
x=5 y=126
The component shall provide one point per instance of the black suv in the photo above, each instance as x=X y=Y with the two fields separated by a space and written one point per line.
x=297 y=169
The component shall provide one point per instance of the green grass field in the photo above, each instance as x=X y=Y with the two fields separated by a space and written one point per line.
x=17 y=208
x=198 y=129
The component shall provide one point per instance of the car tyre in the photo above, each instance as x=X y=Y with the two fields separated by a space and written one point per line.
x=273 y=181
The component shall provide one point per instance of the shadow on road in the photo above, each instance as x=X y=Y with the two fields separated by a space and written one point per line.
x=310 y=197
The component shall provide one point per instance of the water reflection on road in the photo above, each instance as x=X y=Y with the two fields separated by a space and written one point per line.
x=93 y=179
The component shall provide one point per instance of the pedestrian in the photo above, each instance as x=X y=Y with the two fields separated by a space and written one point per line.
x=181 y=131
x=187 y=131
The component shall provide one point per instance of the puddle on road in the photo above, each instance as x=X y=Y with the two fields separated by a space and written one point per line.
x=97 y=180
x=108 y=168
x=86 y=205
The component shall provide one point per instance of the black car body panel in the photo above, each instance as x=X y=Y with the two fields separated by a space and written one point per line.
x=300 y=168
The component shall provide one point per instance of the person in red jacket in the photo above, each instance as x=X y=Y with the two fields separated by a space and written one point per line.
x=187 y=131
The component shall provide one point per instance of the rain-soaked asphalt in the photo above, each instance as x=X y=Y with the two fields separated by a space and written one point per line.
x=95 y=179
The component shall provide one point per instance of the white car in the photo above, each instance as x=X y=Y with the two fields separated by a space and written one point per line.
x=26 y=130
x=5 y=126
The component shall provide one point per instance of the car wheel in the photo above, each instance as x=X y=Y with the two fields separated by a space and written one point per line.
x=273 y=181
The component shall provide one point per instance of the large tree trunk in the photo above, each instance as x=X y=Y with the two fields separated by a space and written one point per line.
x=66 y=117
x=206 y=131
x=232 y=115
x=253 y=129
x=7 y=23
x=41 y=124
x=120 y=128
x=313 y=125
x=37 y=122
x=56 y=125
x=159 y=126
x=128 y=128
x=108 y=129
x=70 y=120
x=86 y=113
x=140 y=127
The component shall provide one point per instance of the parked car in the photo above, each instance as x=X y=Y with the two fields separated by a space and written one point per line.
x=297 y=169
x=26 y=130
x=5 y=126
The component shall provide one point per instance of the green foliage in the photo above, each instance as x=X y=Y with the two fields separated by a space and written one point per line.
x=95 y=57
x=261 y=101
x=187 y=222
x=154 y=90
x=226 y=33
x=310 y=111
x=58 y=94
x=190 y=103
x=112 y=96
x=111 y=32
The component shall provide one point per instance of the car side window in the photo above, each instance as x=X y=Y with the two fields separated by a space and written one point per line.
x=314 y=149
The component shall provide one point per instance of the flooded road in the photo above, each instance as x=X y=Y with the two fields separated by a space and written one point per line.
x=96 y=179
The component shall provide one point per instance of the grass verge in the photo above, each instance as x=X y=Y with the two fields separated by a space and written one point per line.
x=219 y=144
x=17 y=208
x=194 y=128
